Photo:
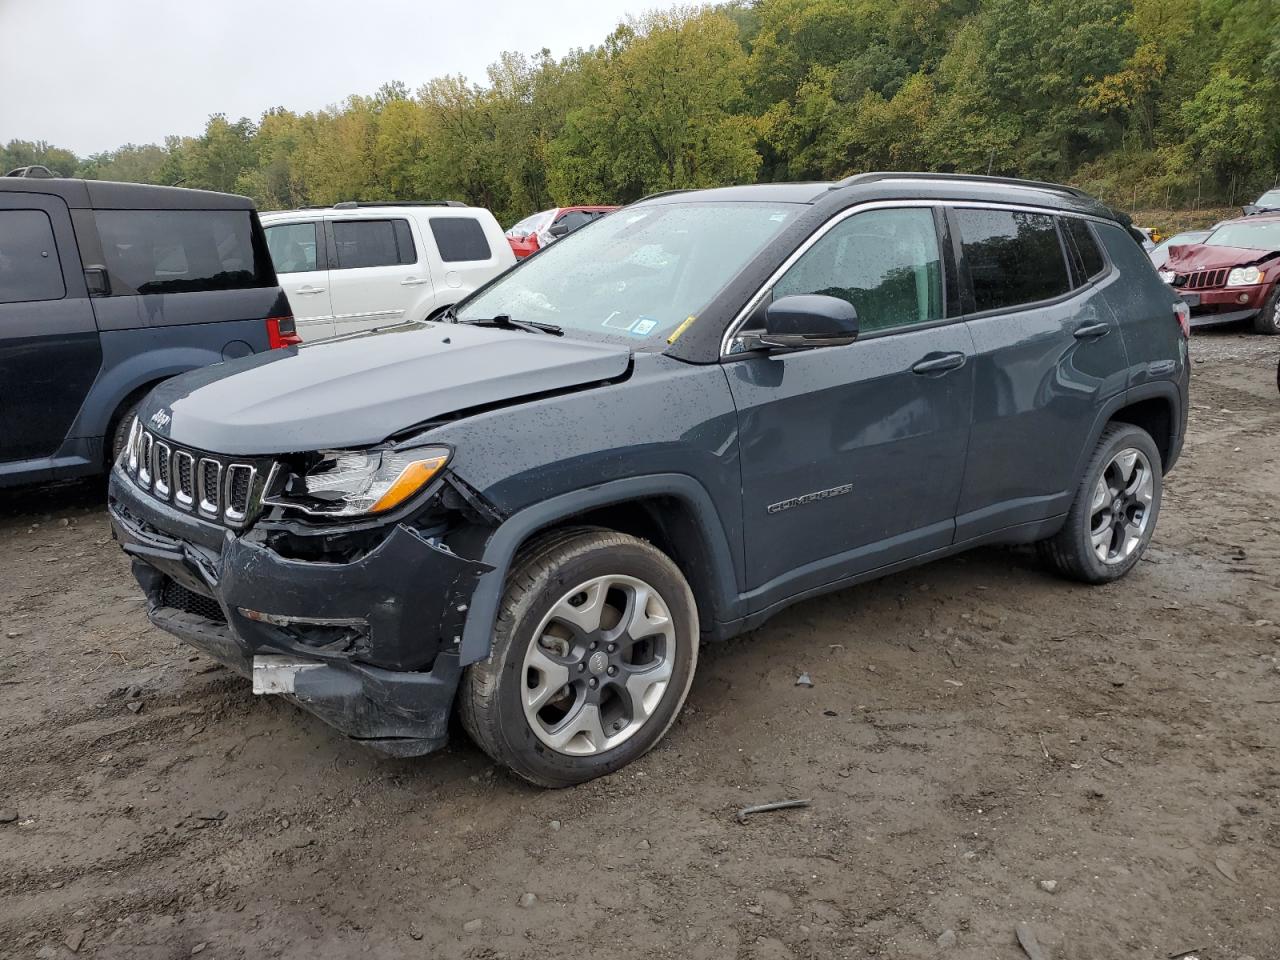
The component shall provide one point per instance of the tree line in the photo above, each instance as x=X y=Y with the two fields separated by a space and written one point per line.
x=1142 y=102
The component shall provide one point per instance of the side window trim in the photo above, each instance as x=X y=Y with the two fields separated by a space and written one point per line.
x=1107 y=265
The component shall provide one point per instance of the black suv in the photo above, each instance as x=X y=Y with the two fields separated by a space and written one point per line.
x=105 y=290
x=660 y=430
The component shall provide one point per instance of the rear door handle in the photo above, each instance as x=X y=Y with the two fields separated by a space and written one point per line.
x=411 y=282
x=308 y=290
x=1091 y=330
x=939 y=363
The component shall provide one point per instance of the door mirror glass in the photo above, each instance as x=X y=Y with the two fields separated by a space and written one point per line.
x=1250 y=209
x=807 y=320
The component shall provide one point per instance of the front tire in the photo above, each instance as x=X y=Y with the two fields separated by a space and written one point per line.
x=1268 y=319
x=1114 y=513
x=594 y=651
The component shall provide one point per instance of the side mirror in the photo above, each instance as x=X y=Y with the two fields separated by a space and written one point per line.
x=558 y=230
x=1250 y=209
x=805 y=321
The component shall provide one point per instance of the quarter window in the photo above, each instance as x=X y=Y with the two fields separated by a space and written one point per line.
x=181 y=251
x=372 y=243
x=1014 y=258
x=29 y=265
x=459 y=239
x=292 y=246
x=1085 y=254
x=884 y=262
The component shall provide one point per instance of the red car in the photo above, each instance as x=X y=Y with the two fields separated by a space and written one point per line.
x=534 y=232
x=1234 y=274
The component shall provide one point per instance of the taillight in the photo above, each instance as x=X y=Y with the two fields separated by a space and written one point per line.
x=282 y=333
x=1183 y=314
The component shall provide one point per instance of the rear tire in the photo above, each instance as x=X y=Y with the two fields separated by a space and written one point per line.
x=1268 y=319
x=593 y=654
x=1114 y=513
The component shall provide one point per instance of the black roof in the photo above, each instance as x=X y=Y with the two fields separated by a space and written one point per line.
x=903 y=186
x=109 y=195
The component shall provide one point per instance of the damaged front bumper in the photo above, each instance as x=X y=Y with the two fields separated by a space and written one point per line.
x=369 y=646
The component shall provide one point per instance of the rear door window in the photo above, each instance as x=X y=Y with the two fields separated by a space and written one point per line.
x=29 y=264
x=293 y=247
x=1014 y=258
x=460 y=239
x=372 y=243
x=181 y=251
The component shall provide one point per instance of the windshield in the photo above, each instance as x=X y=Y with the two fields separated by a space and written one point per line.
x=638 y=273
x=1259 y=235
x=1269 y=199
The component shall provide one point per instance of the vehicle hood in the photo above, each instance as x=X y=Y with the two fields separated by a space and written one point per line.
x=1188 y=258
x=358 y=390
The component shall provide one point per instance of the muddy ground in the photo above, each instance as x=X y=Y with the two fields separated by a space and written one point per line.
x=984 y=746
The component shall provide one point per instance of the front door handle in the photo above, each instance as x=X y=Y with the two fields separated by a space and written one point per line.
x=309 y=290
x=939 y=363
x=1091 y=330
x=411 y=282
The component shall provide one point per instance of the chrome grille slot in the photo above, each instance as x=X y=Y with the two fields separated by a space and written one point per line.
x=144 y=459
x=239 y=488
x=163 y=469
x=208 y=477
x=184 y=471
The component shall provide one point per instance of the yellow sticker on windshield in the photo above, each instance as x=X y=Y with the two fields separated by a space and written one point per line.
x=681 y=329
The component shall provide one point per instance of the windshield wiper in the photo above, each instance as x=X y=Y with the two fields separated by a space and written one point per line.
x=504 y=322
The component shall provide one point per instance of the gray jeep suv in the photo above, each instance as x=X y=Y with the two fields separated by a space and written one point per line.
x=661 y=430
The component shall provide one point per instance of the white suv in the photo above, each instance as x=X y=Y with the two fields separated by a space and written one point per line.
x=354 y=266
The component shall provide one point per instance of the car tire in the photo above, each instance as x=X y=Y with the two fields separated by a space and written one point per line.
x=594 y=650
x=1268 y=319
x=1114 y=513
x=120 y=429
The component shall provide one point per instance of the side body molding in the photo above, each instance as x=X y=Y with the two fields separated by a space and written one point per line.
x=477 y=634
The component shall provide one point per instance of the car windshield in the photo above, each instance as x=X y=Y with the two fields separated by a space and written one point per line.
x=1269 y=199
x=1258 y=234
x=638 y=273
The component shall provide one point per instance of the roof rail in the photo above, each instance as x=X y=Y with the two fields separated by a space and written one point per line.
x=664 y=193
x=355 y=204
x=861 y=178
x=34 y=170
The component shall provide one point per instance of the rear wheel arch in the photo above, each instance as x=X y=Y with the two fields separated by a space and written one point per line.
x=1155 y=415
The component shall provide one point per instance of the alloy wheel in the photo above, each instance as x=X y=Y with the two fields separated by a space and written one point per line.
x=599 y=665
x=1121 y=507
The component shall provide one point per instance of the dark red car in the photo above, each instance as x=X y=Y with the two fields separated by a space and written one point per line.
x=1234 y=274
x=534 y=232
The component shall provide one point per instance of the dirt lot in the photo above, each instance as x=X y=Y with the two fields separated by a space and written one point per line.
x=984 y=746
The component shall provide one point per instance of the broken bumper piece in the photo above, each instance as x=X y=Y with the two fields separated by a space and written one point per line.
x=368 y=646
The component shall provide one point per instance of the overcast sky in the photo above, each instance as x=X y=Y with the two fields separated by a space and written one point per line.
x=91 y=75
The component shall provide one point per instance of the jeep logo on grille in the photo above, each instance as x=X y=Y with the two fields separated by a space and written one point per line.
x=160 y=419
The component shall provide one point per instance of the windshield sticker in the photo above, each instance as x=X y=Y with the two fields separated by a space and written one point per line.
x=616 y=321
x=644 y=326
x=681 y=329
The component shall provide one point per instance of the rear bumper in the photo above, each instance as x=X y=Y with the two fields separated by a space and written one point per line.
x=361 y=624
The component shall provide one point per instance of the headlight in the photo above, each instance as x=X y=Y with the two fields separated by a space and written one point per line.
x=1244 y=277
x=354 y=483
x=1168 y=276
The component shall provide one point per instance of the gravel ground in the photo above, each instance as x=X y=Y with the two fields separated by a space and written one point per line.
x=984 y=746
